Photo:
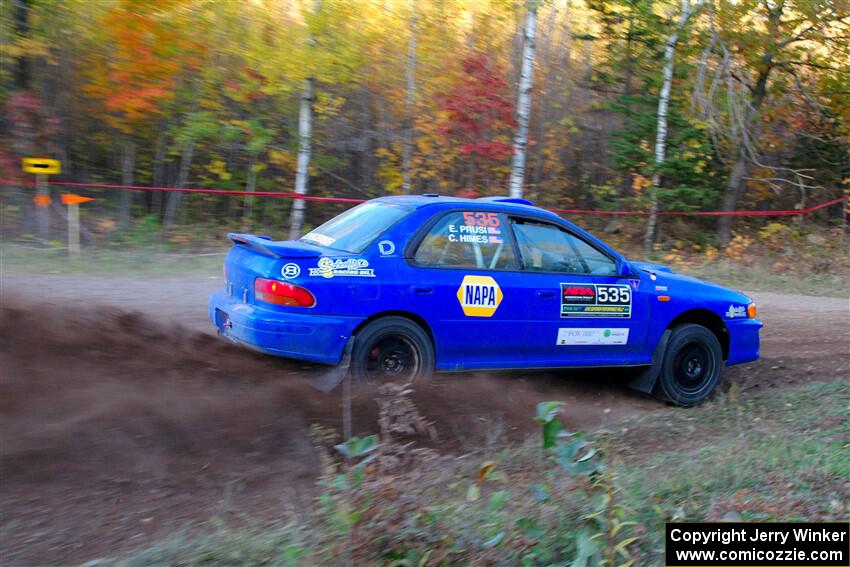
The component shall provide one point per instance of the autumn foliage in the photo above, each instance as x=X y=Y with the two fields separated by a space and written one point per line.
x=206 y=93
x=479 y=114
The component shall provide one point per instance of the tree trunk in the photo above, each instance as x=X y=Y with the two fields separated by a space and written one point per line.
x=305 y=133
x=734 y=187
x=730 y=198
x=409 y=105
x=128 y=168
x=545 y=57
x=250 y=186
x=21 y=145
x=302 y=170
x=661 y=128
x=801 y=218
x=22 y=29
x=626 y=186
x=158 y=175
x=526 y=79
x=175 y=197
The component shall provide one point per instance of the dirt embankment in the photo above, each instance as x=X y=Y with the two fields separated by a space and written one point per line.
x=117 y=428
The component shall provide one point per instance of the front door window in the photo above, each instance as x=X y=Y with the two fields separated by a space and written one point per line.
x=547 y=248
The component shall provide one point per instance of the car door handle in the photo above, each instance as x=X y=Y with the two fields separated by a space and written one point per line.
x=418 y=290
x=546 y=293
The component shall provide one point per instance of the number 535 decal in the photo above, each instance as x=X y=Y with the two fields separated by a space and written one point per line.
x=481 y=219
x=596 y=300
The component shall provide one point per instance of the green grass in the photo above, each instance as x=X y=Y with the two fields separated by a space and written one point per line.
x=152 y=261
x=749 y=277
x=109 y=262
x=776 y=455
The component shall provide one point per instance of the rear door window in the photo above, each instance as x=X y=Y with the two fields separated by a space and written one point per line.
x=356 y=228
x=468 y=239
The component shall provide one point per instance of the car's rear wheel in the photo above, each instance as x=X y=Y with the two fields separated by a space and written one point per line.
x=690 y=370
x=392 y=348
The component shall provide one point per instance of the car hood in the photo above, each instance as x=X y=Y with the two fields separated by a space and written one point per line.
x=665 y=277
x=650 y=267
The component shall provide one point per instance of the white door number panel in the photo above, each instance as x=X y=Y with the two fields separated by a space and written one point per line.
x=589 y=337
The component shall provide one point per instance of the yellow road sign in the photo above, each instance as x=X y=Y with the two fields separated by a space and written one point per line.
x=41 y=166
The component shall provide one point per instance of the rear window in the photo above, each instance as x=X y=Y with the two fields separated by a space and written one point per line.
x=356 y=228
x=472 y=239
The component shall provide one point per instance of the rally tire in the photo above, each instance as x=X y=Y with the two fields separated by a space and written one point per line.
x=392 y=349
x=691 y=367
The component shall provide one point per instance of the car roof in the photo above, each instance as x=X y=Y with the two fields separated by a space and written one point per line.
x=506 y=204
x=496 y=204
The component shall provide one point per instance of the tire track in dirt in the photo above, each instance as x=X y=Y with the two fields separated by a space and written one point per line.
x=119 y=427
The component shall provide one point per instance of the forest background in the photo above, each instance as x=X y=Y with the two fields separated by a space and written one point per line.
x=607 y=105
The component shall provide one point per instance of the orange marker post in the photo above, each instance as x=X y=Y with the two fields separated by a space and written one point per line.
x=73 y=203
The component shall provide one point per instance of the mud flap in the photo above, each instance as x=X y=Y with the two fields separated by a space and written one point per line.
x=327 y=380
x=647 y=378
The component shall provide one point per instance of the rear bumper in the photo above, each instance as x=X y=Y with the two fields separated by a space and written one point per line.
x=315 y=338
x=743 y=340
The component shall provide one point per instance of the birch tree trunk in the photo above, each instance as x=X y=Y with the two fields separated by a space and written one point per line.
x=128 y=167
x=409 y=104
x=175 y=197
x=305 y=133
x=661 y=130
x=526 y=79
x=302 y=170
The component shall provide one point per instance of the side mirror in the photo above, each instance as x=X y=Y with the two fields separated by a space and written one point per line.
x=624 y=270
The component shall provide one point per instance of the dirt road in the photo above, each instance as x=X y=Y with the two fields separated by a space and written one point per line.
x=122 y=419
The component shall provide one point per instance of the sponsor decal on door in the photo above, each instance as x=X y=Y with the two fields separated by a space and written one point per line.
x=479 y=296
x=596 y=300
x=590 y=337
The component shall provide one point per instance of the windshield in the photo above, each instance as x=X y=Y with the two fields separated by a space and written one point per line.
x=354 y=229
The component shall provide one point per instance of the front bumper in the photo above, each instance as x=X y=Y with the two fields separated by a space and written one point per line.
x=303 y=336
x=743 y=340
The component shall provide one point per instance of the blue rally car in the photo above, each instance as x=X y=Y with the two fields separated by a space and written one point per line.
x=408 y=285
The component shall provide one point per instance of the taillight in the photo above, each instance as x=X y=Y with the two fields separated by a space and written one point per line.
x=752 y=311
x=281 y=293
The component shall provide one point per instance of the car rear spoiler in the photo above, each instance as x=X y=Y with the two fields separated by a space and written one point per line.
x=275 y=248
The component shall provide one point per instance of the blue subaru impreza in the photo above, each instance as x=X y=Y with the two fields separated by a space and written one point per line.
x=408 y=285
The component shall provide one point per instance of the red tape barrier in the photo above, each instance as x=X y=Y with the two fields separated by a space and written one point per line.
x=210 y=191
x=706 y=213
x=290 y=195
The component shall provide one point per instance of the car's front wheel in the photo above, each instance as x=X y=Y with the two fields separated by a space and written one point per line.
x=392 y=348
x=690 y=370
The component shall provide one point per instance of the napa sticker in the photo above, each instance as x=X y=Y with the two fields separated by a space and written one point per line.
x=353 y=267
x=479 y=296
